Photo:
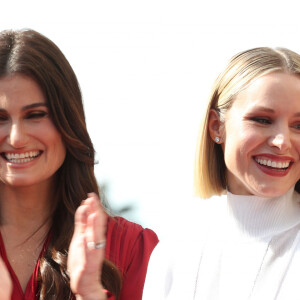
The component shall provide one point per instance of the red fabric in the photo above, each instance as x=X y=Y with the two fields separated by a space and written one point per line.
x=109 y=295
x=31 y=288
x=128 y=246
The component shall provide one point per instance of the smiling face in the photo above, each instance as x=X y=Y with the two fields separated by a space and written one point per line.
x=261 y=136
x=31 y=148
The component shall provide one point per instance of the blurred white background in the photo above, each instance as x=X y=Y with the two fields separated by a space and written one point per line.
x=145 y=70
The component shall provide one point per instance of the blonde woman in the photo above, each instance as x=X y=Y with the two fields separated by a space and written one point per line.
x=245 y=243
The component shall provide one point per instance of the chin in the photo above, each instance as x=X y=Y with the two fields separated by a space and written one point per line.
x=271 y=192
x=18 y=182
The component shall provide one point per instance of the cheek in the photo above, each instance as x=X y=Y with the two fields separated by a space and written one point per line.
x=240 y=135
x=55 y=155
x=60 y=151
x=297 y=146
x=4 y=131
x=239 y=146
x=57 y=148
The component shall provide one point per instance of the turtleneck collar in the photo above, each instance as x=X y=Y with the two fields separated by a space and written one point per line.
x=259 y=217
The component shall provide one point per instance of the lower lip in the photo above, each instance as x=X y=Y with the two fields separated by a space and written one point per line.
x=273 y=172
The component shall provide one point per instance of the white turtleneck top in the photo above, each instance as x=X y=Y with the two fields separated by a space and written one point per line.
x=236 y=248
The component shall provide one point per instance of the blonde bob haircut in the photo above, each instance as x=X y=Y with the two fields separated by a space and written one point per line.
x=242 y=69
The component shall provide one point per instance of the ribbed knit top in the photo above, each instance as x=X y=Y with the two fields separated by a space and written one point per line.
x=263 y=217
x=240 y=247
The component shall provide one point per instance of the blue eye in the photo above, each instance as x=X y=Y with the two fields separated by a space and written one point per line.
x=261 y=120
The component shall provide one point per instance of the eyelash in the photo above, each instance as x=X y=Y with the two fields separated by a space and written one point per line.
x=261 y=120
x=266 y=121
x=36 y=115
x=3 y=118
x=29 y=116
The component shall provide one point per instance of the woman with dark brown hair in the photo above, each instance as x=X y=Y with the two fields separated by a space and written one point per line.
x=47 y=178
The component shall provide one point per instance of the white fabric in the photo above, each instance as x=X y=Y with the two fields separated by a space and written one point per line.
x=237 y=247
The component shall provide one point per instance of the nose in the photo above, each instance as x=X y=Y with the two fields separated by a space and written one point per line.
x=281 y=139
x=17 y=137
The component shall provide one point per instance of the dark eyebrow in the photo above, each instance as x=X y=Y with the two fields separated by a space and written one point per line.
x=33 y=105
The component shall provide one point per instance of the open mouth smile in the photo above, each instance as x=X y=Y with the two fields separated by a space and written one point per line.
x=273 y=164
x=20 y=158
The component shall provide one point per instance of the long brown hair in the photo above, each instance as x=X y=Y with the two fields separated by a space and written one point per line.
x=30 y=53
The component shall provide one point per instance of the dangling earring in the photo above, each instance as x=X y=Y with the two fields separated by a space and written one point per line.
x=217 y=139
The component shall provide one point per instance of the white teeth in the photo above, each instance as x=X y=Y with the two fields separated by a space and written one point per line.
x=20 y=161
x=22 y=157
x=273 y=164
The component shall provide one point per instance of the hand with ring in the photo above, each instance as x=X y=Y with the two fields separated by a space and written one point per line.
x=87 y=250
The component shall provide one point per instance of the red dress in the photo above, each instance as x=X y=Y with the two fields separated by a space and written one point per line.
x=128 y=246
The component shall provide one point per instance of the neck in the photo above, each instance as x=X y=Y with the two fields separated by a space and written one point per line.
x=26 y=209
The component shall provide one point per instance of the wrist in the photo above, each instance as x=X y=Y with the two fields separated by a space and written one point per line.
x=99 y=294
x=91 y=297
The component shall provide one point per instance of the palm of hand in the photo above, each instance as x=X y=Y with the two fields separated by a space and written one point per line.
x=84 y=264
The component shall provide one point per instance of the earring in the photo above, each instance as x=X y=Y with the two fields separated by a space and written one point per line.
x=217 y=139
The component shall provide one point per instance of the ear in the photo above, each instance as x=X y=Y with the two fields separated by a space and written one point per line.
x=215 y=126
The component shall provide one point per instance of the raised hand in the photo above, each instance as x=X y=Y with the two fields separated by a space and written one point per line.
x=5 y=282
x=87 y=250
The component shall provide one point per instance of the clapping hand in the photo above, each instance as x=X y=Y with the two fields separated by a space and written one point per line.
x=87 y=250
